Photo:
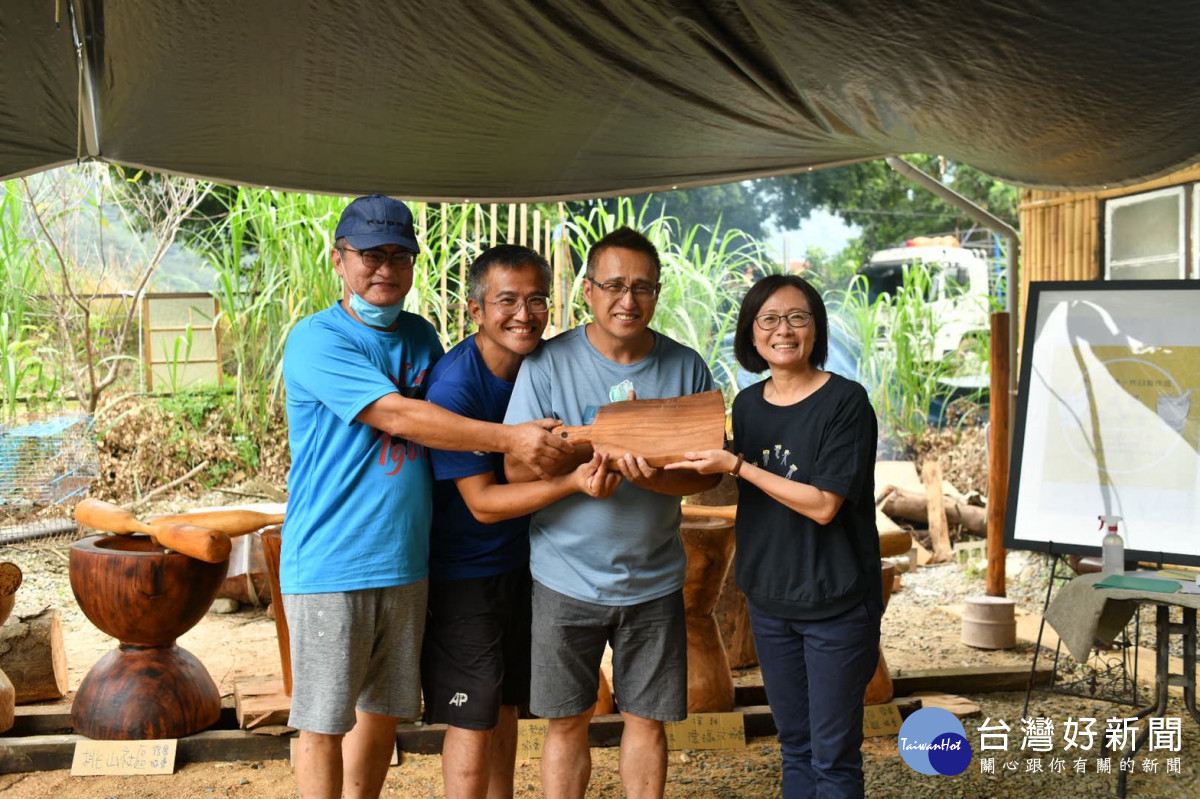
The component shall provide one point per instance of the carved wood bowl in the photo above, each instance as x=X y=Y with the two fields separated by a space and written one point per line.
x=137 y=591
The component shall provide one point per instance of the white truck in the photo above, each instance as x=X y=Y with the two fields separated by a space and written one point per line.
x=959 y=299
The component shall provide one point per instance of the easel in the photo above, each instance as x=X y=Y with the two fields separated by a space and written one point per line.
x=1113 y=682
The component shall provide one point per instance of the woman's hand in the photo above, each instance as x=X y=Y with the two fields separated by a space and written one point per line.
x=594 y=479
x=708 y=461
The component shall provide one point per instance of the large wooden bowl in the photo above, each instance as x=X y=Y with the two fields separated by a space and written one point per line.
x=138 y=592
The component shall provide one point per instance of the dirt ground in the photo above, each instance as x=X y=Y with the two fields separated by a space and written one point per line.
x=918 y=634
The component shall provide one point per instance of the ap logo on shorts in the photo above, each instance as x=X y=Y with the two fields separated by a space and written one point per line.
x=933 y=741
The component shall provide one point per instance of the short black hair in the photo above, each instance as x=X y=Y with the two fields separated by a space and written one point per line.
x=504 y=256
x=626 y=238
x=743 y=342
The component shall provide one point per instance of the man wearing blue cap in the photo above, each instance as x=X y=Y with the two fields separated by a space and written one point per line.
x=354 y=564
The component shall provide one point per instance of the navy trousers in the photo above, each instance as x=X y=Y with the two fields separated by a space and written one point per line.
x=815 y=673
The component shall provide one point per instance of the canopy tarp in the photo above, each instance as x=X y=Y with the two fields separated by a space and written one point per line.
x=536 y=99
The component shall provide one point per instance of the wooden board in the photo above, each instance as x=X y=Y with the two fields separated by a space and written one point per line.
x=659 y=430
x=960 y=707
x=260 y=702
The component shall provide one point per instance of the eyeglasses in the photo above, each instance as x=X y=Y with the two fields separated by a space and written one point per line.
x=616 y=291
x=770 y=321
x=374 y=258
x=510 y=305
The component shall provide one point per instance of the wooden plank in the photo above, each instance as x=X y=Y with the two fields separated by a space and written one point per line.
x=261 y=701
x=977 y=680
x=231 y=745
x=939 y=530
x=51 y=752
x=998 y=455
x=55 y=719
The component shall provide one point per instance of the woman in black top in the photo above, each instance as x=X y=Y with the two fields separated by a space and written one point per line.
x=807 y=546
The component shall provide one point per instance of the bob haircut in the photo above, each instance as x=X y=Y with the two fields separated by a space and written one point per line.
x=743 y=342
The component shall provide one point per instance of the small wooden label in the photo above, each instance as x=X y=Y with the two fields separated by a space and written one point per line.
x=123 y=757
x=881 y=720
x=707 y=731
x=531 y=737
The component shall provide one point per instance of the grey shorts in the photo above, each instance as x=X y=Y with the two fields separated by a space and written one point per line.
x=355 y=649
x=649 y=643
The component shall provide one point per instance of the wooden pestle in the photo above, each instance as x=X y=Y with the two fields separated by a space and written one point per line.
x=230 y=522
x=201 y=543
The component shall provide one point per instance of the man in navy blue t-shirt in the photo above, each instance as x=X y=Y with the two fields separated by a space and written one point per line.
x=475 y=662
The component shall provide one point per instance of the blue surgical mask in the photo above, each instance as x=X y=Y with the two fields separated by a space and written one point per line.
x=375 y=315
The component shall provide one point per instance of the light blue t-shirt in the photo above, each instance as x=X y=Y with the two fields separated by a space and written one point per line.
x=626 y=549
x=359 y=500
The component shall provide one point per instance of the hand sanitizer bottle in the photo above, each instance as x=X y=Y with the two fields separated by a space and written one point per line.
x=1113 y=550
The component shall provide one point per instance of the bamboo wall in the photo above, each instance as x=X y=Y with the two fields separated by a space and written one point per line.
x=1063 y=232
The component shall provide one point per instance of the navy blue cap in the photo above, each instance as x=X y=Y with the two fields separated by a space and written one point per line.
x=374 y=221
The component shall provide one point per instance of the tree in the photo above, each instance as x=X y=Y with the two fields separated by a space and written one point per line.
x=78 y=266
x=887 y=206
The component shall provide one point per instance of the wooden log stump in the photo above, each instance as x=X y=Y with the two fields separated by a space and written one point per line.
x=709 y=545
x=10 y=581
x=34 y=658
x=880 y=689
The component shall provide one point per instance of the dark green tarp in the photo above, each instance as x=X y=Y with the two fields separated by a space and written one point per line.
x=481 y=99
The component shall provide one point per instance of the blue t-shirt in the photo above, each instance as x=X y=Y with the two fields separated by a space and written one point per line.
x=626 y=549
x=359 y=501
x=461 y=546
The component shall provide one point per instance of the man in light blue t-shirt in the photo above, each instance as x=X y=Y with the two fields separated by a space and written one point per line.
x=610 y=571
x=356 y=541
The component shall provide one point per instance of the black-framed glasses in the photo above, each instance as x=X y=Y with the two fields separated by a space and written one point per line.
x=770 y=321
x=374 y=257
x=510 y=305
x=615 y=290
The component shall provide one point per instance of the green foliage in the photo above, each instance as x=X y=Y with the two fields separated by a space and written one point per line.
x=894 y=336
x=705 y=272
x=196 y=407
x=732 y=206
x=886 y=205
x=27 y=365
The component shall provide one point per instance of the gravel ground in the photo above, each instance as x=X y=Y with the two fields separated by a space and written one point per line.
x=918 y=634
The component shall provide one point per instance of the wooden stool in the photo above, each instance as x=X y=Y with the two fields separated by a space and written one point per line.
x=146 y=597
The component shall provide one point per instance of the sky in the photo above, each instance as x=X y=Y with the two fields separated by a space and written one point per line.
x=821 y=229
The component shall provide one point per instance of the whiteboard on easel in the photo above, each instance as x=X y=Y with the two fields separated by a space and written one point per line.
x=1108 y=419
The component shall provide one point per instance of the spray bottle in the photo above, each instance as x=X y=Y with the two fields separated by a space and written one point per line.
x=1113 y=550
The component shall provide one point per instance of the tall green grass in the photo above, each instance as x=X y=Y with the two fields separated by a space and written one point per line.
x=897 y=364
x=705 y=272
x=27 y=362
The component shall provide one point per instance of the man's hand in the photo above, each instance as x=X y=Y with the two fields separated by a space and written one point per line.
x=532 y=444
x=595 y=479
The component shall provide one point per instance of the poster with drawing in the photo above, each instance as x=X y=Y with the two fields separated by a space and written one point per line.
x=1108 y=419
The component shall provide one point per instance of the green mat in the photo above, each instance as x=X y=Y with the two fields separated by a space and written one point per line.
x=1138 y=584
